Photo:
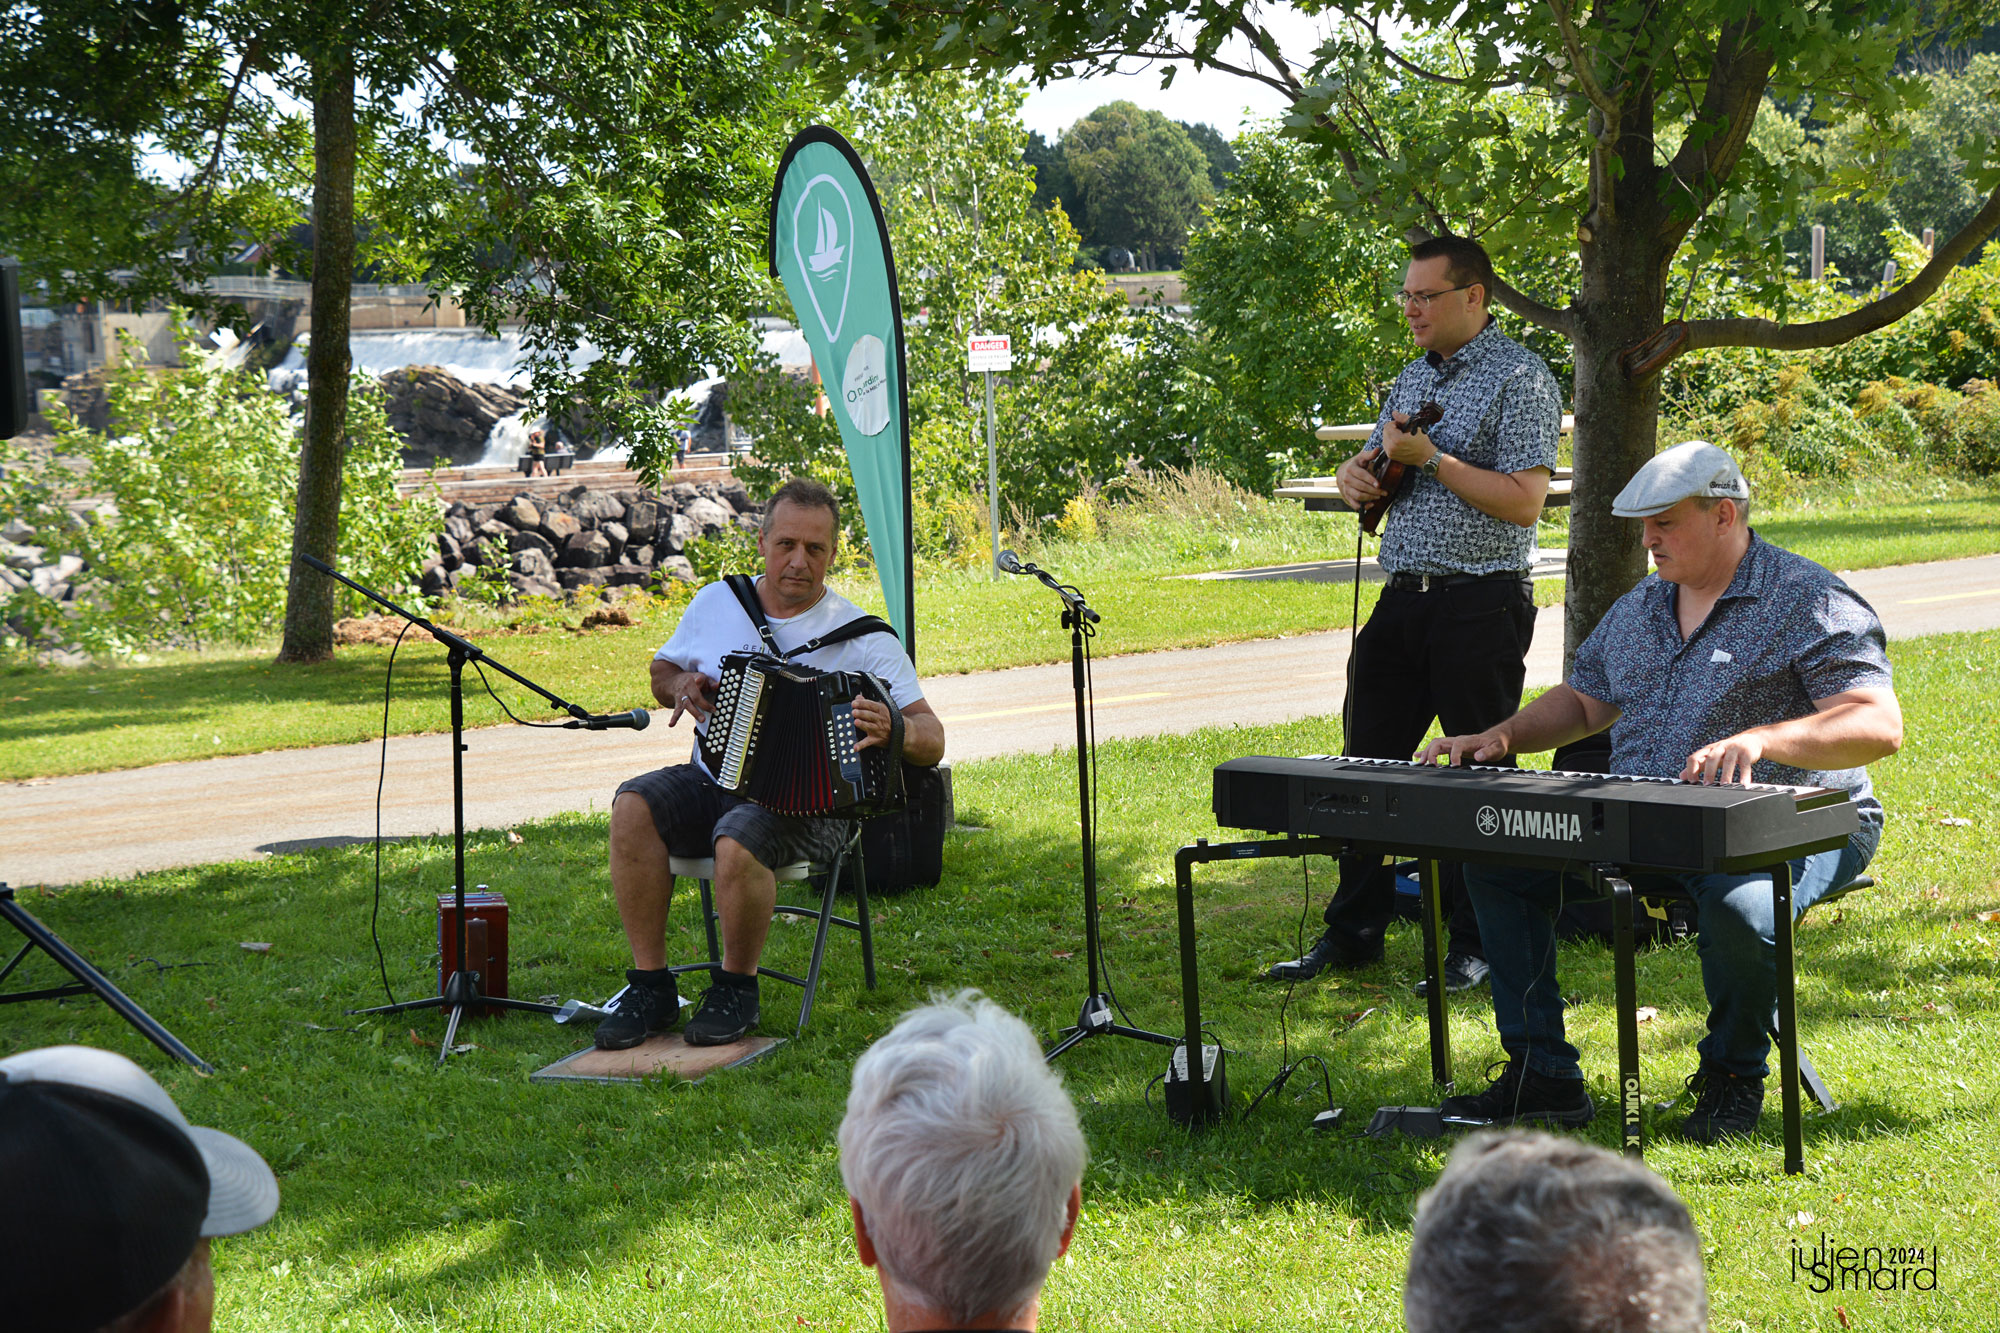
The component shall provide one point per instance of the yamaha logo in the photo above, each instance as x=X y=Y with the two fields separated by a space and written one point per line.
x=1545 y=824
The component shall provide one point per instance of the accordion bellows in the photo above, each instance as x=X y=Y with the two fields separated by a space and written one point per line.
x=783 y=735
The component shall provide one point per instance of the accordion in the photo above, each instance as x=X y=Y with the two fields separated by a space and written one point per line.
x=783 y=735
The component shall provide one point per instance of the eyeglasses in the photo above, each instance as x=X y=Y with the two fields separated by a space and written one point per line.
x=1422 y=300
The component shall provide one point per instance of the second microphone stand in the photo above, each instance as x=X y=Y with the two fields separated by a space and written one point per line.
x=1096 y=1018
x=462 y=990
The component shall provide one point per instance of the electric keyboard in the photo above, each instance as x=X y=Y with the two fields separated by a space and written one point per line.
x=1515 y=816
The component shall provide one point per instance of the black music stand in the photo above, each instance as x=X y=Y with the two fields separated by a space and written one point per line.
x=462 y=989
x=1095 y=1018
x=89 y=981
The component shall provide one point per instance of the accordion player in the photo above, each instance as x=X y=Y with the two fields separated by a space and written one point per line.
x=783 y=735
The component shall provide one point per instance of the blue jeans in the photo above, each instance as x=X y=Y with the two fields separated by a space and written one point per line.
x=1737 y=943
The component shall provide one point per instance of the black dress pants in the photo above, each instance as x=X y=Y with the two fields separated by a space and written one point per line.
x=1455 y=654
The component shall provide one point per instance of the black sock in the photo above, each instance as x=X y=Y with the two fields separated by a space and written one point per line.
x=736 y=980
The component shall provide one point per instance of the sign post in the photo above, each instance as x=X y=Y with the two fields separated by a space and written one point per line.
x=990 y=352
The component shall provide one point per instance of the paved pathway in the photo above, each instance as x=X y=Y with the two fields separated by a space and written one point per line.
x=61 y=830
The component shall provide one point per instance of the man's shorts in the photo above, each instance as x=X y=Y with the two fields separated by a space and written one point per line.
x=691 y=812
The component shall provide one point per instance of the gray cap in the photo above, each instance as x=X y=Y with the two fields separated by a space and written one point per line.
x=1682 y=472
x=242 y=1192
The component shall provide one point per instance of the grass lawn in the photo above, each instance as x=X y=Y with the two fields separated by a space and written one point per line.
x=185 y=706
x=469 y=1199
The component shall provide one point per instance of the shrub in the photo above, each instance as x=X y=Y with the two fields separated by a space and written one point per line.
x=202 y=465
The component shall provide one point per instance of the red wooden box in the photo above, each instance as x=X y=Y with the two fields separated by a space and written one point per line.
x=485 y=942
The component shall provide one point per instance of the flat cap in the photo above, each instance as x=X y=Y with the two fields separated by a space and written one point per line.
x=1681 y=473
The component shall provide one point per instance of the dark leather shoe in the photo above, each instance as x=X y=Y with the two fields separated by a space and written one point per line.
x=1462 y=971
x=1329 y=950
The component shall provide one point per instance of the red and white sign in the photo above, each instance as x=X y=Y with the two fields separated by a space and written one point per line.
x=989 y=351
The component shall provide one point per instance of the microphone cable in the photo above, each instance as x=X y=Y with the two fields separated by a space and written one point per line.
x=517 y=721
x=381 y=779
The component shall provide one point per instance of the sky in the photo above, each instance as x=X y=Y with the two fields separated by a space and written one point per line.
x=1229 y=102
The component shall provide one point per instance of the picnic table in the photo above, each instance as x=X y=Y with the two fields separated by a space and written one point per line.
x=1321 y=495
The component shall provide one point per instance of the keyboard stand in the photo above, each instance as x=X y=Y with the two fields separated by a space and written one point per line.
x=1204 y=1108
x=1610 y=881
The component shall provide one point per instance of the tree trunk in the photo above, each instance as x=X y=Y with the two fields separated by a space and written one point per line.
x=1625 y=248
x=1617 y=426
x=309 y=598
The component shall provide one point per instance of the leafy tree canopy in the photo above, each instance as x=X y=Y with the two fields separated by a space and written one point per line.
x=1221 y=157
x=1644 y=155
x=1142 y=182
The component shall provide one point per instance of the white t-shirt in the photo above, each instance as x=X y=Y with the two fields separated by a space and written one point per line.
x=715 y=625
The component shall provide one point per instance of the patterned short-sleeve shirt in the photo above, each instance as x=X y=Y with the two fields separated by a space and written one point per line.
x=1502 y=412
x=1785 y=633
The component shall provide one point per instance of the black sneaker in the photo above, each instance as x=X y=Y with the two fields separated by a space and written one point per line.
x=1521 y=1096
x=1462 y=971
x=728 y=1013
x=1725 y=1106
x=1329 y=950
x=650 y=1003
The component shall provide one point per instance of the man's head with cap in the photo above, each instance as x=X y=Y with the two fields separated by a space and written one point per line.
x=1695 y=503
x=111 y=1196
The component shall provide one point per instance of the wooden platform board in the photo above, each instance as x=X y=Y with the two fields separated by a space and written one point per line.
x=666 y=1054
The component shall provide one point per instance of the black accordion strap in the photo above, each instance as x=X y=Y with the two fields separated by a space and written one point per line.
x=745 y=589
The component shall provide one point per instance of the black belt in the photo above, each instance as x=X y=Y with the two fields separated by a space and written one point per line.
x=1432 y=582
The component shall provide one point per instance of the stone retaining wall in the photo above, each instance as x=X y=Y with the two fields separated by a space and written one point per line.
x=585 y=538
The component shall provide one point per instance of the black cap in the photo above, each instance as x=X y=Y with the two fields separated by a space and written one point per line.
x=104 y=1204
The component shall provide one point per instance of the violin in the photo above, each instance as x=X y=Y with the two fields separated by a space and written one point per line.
x=1391 y=476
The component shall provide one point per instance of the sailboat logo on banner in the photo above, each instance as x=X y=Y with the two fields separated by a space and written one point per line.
x=824 y=218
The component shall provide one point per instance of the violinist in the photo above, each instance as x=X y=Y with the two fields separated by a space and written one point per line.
x=1448 y=639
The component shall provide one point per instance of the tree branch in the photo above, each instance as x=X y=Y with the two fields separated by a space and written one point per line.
x=1260 y=41
x=1866 y=319
x=1513 y=79
x=1580 y=63
x=1736 y=81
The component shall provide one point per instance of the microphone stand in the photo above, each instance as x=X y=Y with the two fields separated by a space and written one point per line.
x=462 y=989
x=1096 y=1018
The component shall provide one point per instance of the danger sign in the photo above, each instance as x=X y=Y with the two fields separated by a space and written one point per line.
x=989 y=351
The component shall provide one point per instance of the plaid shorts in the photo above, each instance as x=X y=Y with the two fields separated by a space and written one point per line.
x=691 y=812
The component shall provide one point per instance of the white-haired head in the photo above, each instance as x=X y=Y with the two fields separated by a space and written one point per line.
x=962 y=1154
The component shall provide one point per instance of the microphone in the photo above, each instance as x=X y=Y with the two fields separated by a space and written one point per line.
x=636 y=720
x=1009 y=563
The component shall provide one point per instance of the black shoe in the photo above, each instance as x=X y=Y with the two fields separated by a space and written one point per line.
x=1462 y=971
x=1329 y=950
x=650 y=1003
x=728 y=1013
x=1521 y=1096
x=1725 y=1106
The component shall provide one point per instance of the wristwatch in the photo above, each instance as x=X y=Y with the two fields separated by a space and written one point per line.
x=1430 y=465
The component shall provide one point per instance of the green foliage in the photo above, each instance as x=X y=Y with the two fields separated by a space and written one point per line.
x=1221 y=155
x=1915 y=179
x=1932 y=424
x=1142 y=181
x=730 y=551
x=621 y=162
x=1053 y=183
x=1949 y=340
x=201 y=465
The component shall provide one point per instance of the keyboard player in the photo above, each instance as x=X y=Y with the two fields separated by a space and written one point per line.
x=1734 y=662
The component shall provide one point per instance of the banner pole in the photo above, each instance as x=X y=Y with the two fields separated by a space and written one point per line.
x=992 y=479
